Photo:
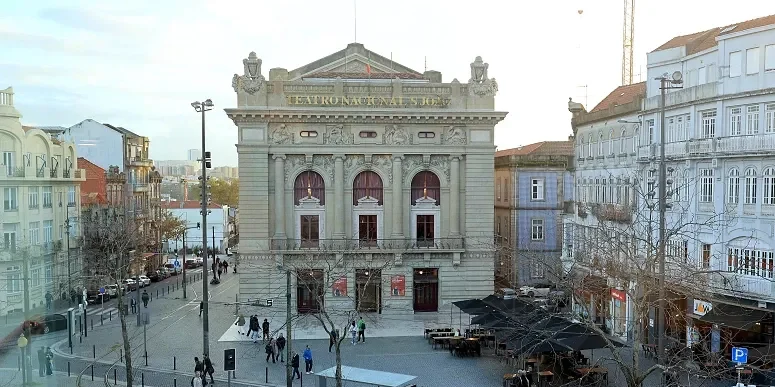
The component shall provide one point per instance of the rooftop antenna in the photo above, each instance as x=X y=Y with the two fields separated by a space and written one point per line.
x=355 y=20
x=391 y=60
x=586 y=94
x=426 y=64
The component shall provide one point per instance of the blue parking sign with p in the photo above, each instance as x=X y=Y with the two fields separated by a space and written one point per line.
x=740 y=355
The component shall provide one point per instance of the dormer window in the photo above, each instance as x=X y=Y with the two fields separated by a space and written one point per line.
x=367 y=134
x=308 y=133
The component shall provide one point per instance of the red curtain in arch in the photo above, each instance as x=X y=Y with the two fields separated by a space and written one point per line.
x=367 y=183
x=309 y=183
x=426 y=183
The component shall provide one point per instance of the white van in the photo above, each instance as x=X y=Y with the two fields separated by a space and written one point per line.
x=172 y=268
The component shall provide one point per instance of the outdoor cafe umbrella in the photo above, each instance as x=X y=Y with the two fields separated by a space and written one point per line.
x=473 y=306
x=580 y=342
x=488 y=318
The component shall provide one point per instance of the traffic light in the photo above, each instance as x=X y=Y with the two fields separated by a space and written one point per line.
x=208 y=163
x=229 y=359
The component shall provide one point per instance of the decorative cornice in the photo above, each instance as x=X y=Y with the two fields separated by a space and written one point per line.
x=278 y=156
x=372 y=116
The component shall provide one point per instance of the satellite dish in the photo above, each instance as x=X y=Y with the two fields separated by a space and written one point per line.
x=580 y=11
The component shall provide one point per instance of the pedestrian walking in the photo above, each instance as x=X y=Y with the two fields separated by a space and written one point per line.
x=353 y=331
x=49 y=298
x=41 y=361
x=265 y=328
x=196 y=381
x=251 y=325
x=361 y=330
x=133 y=303
x=295 y=366
x=201 y=307
x=280 y=343
x=270 y=352
x=199 y=367
x=145 y=297
x=332 y=337
x=307 y=360
x=209 y=369
x=49 y=359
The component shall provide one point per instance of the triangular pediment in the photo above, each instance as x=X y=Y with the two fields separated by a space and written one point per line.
x=355 y=59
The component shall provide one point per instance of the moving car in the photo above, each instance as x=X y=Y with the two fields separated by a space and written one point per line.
x=111 y=290
x=171 y=268
x=153 y=275
x=38 y=326
x=129 y=284
x=538 y=290
x=507 y=293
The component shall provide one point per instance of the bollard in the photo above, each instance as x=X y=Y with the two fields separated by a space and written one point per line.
x=142 y=379
x=175 y=382
x=110 y=315
x=174 y=363
x=94 y=351
x=157 y=293
x=102 y=320
x=168 y=289
x=92 y=324
x=267 y=374
x=121 y=355
x=68 y=369
x=92 y=372
x=114 y=376
x=80 y=339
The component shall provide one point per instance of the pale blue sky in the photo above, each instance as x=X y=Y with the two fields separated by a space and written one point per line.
x=139 y=64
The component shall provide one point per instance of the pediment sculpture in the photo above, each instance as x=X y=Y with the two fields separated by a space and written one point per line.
x=252 y=80
x=395 y=135
x=282 y=135
x=479 y=84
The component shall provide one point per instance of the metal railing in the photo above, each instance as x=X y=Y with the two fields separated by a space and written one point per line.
x=66 y=173
x=367 y=245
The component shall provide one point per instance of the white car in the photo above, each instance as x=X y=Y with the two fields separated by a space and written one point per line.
x=111 y=290
x=535 y=291
x=145 y=280
x=130 y=285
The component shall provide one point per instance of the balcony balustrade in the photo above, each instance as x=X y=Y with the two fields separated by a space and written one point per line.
x=736 y=284
x=755 y=144
x=376 y=245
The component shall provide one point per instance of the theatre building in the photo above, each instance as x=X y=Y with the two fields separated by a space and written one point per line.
x=371 y=183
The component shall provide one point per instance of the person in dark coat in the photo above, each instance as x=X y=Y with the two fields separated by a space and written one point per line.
x=145 y=297
x=295 y=365
x=49 y=359
x=209 y=369
x=41 y=361
x=280 y=343
x=199 y=366
x=332 y=337
x=270 y=351
x=265 y=328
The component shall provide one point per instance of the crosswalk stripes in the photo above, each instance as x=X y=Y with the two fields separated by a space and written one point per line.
x=104 y=312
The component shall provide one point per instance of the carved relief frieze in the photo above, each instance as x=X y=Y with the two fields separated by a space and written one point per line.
x=308 y=88
x=281 y=135
x=410 y=163
x=441 y=163
x=454 y=135
x=352 y=163
x=385 y=165
x=396 y=135
x=324 y=162
x=292 y=164
x=338 y=135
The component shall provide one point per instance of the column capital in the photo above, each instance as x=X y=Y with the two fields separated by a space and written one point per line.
x=339 y=157
x=278 y=157
x=455 y=157
x=397 y=157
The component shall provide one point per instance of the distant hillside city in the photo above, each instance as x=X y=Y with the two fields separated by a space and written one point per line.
x=176 y=173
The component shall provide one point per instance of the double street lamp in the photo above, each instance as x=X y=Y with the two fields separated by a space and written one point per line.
x=202 y=107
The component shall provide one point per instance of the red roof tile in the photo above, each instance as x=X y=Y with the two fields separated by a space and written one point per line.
x=701 y=41
x=95 y=183
x=543 y=148
x=187 y=205
x=622 y=95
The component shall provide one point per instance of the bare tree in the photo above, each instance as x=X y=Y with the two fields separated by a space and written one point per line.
x=617 y=241
x=111 y=240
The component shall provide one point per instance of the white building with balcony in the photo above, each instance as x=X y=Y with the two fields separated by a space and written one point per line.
x=40 y=189
x=720 y=147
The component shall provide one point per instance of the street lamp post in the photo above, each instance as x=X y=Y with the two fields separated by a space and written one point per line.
x=184 y=257
x=202 y=107
x=22 y=344
x=665 y=83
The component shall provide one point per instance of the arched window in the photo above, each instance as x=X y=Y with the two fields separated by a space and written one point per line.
x=309 y=184
x=622 y=141
x=635 y=140
x=733 y=188
x=581 y=147
x=600 y=145
x=769 y=186
x=426 y=184
x=367 y=183
x=611 y=142
x=750 y=186
x=589 y=146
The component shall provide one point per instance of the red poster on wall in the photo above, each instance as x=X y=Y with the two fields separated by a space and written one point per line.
x=398 y=285
x=619 y=295
x=339 y=288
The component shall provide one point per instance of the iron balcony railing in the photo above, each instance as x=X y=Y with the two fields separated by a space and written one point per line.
x=368 y=245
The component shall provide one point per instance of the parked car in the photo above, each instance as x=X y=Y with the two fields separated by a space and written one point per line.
x=153 y=275
x=164 y=272
x=129 y=285
x=171 y=268
x=507 y=293
x=94 y=297
x=190 y=264
x=199 y=261
x=144 y=280
x=111 y=290
x=538 y=290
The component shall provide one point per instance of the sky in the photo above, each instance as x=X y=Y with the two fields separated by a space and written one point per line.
x=139 y=64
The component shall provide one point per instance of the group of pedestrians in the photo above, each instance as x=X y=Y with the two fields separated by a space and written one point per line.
x=253 y=329
x=201 y=370
x=358 y=329
x=45 y=357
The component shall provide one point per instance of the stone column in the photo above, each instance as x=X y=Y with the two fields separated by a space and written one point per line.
x=398 y=192
x=279 y=196
x=454 y=196
x=339 y=196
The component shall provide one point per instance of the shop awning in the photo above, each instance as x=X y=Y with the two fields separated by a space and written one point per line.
x=733 y=316
x=473 y=307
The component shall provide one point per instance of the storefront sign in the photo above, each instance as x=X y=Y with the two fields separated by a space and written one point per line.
x=701 y=307
x=367 y=101
x=339 y=288
x=619 y=295
x=398 y=285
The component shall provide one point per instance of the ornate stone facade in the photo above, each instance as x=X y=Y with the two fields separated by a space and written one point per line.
x=394 y=128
